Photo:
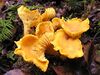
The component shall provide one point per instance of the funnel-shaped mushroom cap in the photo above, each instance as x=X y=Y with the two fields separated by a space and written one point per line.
x=44 y=27
x=31 y=51
x=48 y=14
x=29 y=18
x=68 y=47
x=27 y=15
x=56 y=23
x=75 y=27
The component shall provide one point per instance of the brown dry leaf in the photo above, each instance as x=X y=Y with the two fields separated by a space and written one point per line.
x=15 y=72
x=1 y=3
x=60 y=70
x=86 y=48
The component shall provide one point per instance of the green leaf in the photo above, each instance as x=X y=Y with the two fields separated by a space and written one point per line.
x=98 y=52
x=34 y=7
x=0 y=50
x=27 y=0
x=10 y=55
x=98 y=23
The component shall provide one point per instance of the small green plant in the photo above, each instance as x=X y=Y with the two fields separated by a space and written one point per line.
x=0 y=50
x=6 y=28
x=35 y=7
x=10 y=55
x=27 y=0
x=98 y=52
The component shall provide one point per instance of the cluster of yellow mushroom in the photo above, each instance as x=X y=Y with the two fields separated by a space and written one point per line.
x=51 y=34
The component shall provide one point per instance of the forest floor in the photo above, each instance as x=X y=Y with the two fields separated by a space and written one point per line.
x=89 y=64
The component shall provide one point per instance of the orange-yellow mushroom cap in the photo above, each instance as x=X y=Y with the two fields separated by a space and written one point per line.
x=44 y=27
x=29 y=18
x=48 y=14
x=68 y=47
x=75 y=27
x=56 y=23
x=31 y=51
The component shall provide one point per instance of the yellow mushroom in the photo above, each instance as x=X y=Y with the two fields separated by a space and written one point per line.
x=32 y=49
x=44 y=27
x=29 y=18
x=68 y=47
x=56 y=23
x=75 y=27
x=48 y=14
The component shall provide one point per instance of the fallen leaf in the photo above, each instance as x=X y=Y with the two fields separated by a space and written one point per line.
x=59 y=70
x=15 y=72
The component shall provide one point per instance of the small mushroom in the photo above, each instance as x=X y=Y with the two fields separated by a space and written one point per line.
x=48 y=14
x=68 y=47
x=56 y=23
x=44 y=27
x=75 y=27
